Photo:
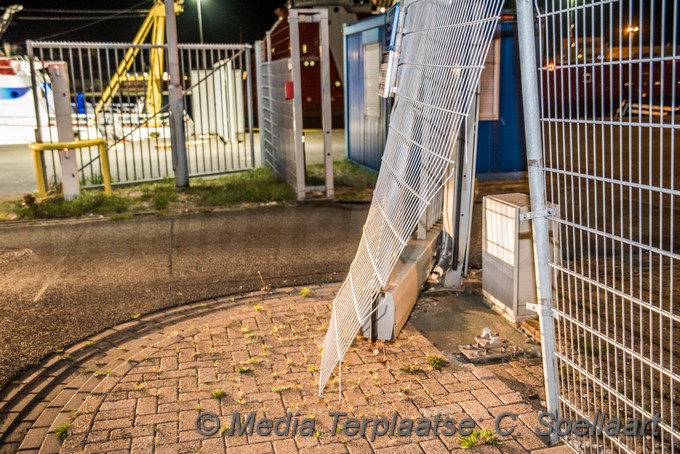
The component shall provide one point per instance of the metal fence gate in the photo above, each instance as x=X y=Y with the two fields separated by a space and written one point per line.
x=280 y=134
x=280 y=104
x=609 y=76
x=119 y=93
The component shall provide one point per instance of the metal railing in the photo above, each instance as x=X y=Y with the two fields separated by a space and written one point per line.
x=443 y=48
x=38 y=150
x=609 y=81
x=119 y=93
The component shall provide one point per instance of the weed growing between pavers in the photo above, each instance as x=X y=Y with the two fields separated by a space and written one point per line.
x=281 y=389
x=218 y=394
x=411 y=369
x=479 y=437
x=436 y=362
x=62 y=429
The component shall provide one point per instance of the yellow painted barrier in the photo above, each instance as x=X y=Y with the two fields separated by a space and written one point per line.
x=38 y=158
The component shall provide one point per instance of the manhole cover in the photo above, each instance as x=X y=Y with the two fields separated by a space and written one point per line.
x=9 y=254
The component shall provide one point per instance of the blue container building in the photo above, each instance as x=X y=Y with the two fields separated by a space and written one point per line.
x=501 y=150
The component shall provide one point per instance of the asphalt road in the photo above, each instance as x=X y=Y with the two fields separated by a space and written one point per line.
x=83 y=277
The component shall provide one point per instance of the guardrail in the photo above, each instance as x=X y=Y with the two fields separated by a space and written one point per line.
x=39 y=160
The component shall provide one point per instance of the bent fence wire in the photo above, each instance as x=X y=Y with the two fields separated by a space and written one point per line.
x=609 y=75
x=444 y=44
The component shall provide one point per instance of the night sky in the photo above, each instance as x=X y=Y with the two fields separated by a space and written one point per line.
x=224 y=21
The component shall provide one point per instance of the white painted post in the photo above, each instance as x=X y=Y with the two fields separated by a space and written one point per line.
x=62 y=110
x=327 y=118
x=293 y=23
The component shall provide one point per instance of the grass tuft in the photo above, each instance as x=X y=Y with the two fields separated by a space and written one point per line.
x=479 y=437
x=88 y=203
x=257 y=185
x=254 y=186
x=411 y=369
x=436 y=362
x=218 y=394
x=62 y=429
x=281 y=389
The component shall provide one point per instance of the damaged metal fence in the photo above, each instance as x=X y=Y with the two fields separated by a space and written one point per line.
x=443 y=47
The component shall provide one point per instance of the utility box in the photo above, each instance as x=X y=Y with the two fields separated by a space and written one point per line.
x=509 y=272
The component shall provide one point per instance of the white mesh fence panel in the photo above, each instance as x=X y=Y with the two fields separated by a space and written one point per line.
x=610 y=79
x=277 y=124
x=443 y=48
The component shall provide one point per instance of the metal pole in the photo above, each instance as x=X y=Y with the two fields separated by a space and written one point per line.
x=260 y=68
x=176 y=100
x=294 y=29
x=36 y=106
x=525 y=25
x=200 y=21
x=249 y=94
x=326 y=117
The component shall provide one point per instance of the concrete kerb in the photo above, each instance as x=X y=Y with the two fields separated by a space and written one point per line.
x=233 y=331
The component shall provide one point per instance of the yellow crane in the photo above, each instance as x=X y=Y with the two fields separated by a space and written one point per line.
x=153 y=24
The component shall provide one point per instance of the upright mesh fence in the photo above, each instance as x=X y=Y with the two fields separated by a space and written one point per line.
x=112 y=98
x=277 y=125
x=443 y=48
x=609 y=78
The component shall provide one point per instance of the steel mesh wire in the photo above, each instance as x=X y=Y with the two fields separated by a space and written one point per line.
x=443 y=48
x=277 y=124
x=609 y=74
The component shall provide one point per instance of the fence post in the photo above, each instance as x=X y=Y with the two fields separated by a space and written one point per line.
x=63 y=116
x=249 y=91
x=259 y=68
x=326 y=116
x=38 y=120
x=525 y=25
x=294 y=30
x=176 y=100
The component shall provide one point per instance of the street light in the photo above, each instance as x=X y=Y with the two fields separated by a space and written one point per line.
x=200 y=21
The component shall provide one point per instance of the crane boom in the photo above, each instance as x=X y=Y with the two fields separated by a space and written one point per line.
x=7 y=16
x=154 y=23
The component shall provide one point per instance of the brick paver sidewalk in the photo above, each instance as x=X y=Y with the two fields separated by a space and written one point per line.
x=140 y=386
